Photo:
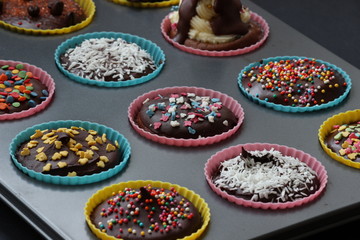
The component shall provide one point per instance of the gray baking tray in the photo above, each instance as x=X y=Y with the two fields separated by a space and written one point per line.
x=57 y=211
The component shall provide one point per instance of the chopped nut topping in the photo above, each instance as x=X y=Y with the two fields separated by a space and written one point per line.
x=83 y=161
x=41 y=157
x=72 y=174
x=62 y=164
x=104 y=159
x=110 y=147
x=25 y=152
x=100 y=164
x=47 y=167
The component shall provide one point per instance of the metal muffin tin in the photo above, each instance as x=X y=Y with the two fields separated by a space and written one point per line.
x=57 y=211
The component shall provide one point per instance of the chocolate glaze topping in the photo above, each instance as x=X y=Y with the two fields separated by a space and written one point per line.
x=147 y=213
x=227 y=21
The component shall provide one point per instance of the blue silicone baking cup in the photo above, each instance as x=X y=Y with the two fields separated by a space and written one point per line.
x=284 y=108
x=111 y=134
x=151 y=48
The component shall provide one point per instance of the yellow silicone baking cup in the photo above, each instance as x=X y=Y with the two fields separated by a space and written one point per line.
x=87 y=5
x=147 y=4
x=106 y=192
x=326 y=128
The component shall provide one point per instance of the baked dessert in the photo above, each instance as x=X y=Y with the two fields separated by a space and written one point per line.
x=344 y=140
x=146 y=213
x=20 y=89
x=266 y=176
x=68 y=151
x=214 y=25
x=294 y=82
x=41 y=14
x=107 y=60
x=185 y=115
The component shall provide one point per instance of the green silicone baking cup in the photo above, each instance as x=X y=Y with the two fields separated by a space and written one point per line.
x=151 y=48
x=111 y=134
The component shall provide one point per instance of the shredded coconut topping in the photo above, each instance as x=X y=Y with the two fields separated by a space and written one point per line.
x=98 y=58
x=285 y=177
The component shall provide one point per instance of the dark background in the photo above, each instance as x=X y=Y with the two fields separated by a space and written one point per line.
x=333 y=24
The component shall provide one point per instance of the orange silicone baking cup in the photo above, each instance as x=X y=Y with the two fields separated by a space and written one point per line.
x=106 y=192
x=327 y=127
x=147 y=4
x=88 y=7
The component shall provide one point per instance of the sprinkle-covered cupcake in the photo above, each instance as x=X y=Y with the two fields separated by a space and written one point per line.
x=109 y=59
x=267 y=176
x=70 y=152
x=294 y=84
x=185 y=116
x=214 y=28
x=339 y=136
x=24 y=89
x=46 y=17
x=146 y=210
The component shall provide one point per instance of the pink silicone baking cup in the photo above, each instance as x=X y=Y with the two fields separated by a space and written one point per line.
x=166 y=27
x=227 y=101
x=44 y=77
x=213 y=163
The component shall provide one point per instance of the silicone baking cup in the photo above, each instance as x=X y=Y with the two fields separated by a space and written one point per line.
x=284 y=108
x=87 y=5
x=325 y=129
x=106 y=192
x=213 y=163
x=166 y=27
x=111 y=134
x=155 y=52
x=147 y=4
x=44 y=77
x=227 y=101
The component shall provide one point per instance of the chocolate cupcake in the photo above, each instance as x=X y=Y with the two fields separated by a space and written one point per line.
x=267 y=176
x=220 y=28
x=46 y=17
x=146 y=210
x=109 y=59
x=294 y=84
x=339 y=137
x=185 y=116
x=70 y=152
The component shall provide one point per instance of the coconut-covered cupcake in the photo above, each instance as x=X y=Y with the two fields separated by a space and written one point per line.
x=294 y=84
x=24 y=89
x=147 y=210
x=214 y=28
x=185 y=116
x=265 y=176
x=109 y=59
x=46 y=17
x=339 y=136
x=59 y=151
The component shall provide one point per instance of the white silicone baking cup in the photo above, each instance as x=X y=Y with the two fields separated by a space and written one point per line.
x=44 y=78
x=213 y=163
x=166 y=26
x=111 y=134
x=151 y=48
x=227 y=101
x=284 y=108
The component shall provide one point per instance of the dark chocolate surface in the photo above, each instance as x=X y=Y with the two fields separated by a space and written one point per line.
x=151 y=215
x=30 y=161
x=41 y=14
x=198 y=126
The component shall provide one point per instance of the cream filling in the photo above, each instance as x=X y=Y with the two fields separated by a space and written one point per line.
x=200 y=29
